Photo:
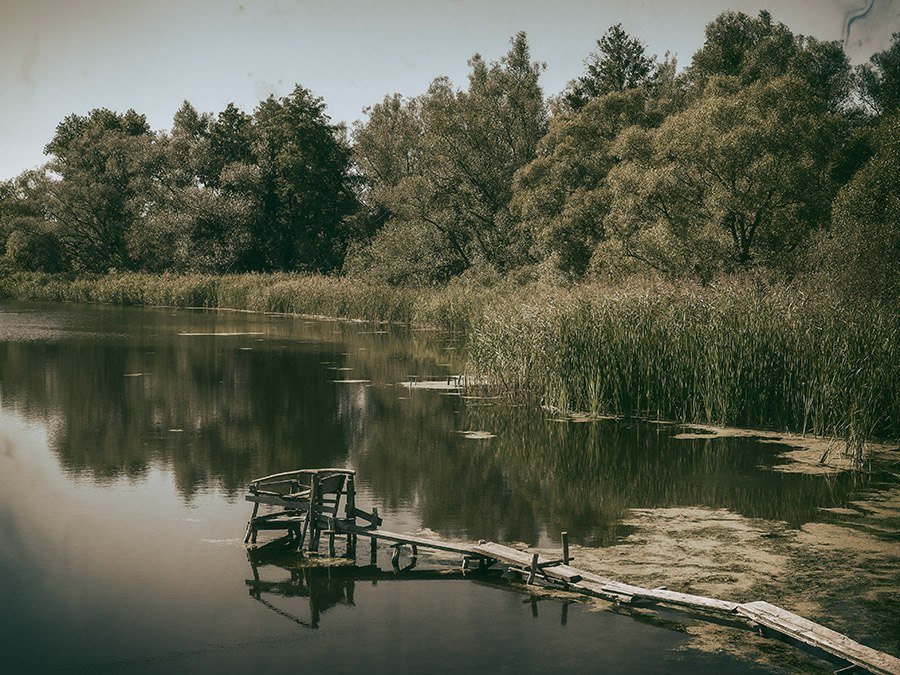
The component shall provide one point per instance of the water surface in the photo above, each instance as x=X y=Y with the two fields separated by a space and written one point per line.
x=127 y=437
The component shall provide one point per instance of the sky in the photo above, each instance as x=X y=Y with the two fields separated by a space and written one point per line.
x=59 y=57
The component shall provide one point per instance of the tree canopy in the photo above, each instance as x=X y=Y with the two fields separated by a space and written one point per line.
x=766 y=150
x=620 y=63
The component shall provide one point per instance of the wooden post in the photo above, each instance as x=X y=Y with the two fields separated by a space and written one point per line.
x=395 y=557
x=373 y=551
x=565 y=543
x=564 y=616
x=250 y=522
x=350 y=509
x=314 y=513
x=534 y=568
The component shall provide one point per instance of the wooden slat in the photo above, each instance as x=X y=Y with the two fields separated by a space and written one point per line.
x=461 y=548
x=288 y=503
x=331 y=484
x=814 y=634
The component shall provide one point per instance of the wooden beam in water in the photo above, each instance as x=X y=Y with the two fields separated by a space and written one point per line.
x=814 y=634
x=463 y=548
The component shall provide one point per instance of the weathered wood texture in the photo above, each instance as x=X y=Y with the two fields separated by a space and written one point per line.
x=463 y=548
x=818 y=636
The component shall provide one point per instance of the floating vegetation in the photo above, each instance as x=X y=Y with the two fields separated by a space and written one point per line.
x=446 y=384
x=477 y=435
x=222 y=334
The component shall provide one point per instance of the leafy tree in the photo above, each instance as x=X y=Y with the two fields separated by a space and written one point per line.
x=860 y=252
x=103 y=161
x=230 y=140
x=879 y=80
x=561 y=197
x=301 y=185
x=191 y=221
x=387 y=150
x=404 y=253
x=739 y=178
x=29 y=240
x=759 y=49
x=620 y=63
x=447 y=158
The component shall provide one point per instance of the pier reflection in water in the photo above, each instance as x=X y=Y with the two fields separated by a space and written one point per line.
x=326 y=583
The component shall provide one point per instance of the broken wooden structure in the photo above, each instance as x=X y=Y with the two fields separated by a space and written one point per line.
x=308 y=502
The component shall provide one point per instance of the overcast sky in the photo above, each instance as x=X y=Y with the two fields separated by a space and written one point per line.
x=65 y=56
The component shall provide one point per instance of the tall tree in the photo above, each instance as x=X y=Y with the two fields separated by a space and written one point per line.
x=191 y=221
x=447 y=159
x=30 y=241
x=879 y=79
x=560 y=196
x=103 y=161
x=760 y=49
x=860 y=252
x=230 y=140
x=620 y=63
x=301 y=185
x=739 y=178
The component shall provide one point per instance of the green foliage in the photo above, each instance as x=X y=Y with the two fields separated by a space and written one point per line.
x=879 y=80
x=758 y=50
x=561 y=198
x=103 y=160
x=860 y=252
x=300 y=185
x=620 y=63
x=404 y=253
x=727 y=355
x=31 y=246
x=740 y=177
x=448 y=157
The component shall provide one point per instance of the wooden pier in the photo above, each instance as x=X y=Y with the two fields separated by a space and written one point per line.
x=309 y=500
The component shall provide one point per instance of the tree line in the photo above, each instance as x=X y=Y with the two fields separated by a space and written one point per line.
x=768 y=151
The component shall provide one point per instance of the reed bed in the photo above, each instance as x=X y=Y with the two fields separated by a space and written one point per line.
x=454 y=308
x=728 y=355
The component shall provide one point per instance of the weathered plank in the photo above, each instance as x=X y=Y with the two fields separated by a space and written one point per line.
x=285 y=501
x=461 y=548
x=603 y=586
x=814 y=634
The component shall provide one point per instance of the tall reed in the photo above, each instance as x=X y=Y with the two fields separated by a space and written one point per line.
x=728 y=355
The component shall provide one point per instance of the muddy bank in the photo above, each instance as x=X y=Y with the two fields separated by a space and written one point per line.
x=843 y=574
x=804 y=454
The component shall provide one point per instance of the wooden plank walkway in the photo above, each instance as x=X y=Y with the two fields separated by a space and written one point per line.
x=309 y=500
x=816 y=635
x=535 y=569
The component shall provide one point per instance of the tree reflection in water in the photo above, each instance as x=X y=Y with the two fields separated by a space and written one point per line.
x=217 y=411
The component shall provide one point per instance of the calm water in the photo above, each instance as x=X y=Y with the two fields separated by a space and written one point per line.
x=127 y=437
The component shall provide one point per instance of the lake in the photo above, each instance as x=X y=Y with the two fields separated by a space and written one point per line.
x=128 y=437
